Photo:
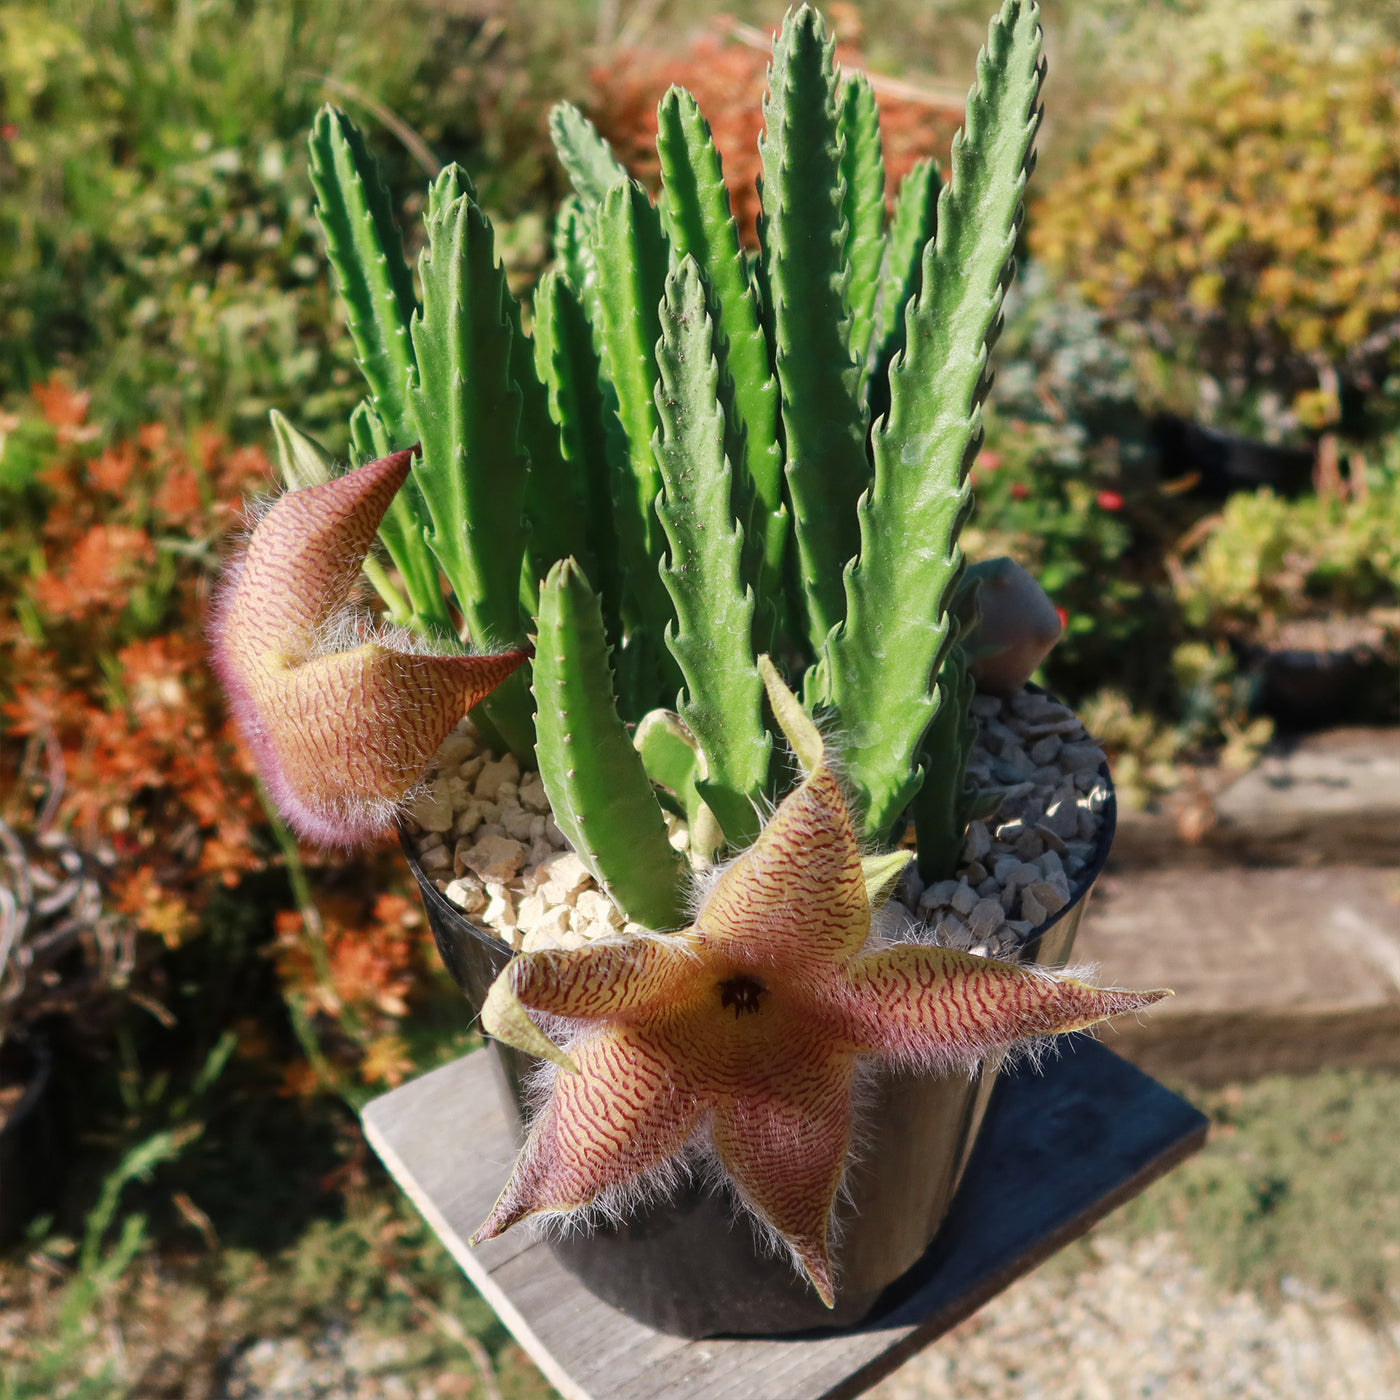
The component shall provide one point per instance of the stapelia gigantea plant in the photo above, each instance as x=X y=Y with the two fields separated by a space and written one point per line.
x=695 y=457
x=699 y=472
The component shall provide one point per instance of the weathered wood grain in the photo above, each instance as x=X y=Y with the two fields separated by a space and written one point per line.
x=1059 y=1150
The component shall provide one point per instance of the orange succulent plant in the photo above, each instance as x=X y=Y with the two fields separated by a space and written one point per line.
x=341 y=733
x=743 y=1032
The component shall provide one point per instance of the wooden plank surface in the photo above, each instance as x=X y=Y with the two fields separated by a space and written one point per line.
x=1059 y=1150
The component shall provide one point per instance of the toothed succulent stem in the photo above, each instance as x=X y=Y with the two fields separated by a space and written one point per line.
x=702 y=225
x=366 y=251
x=597 y=786
x=712 y=638
x=807 y=273
x=863 y=175
x=943 y=803
x=401 y=531
x=896 y=627
x=630 y=252
x=472 y=471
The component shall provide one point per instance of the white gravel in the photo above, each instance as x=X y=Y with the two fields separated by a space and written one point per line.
x=488 y=842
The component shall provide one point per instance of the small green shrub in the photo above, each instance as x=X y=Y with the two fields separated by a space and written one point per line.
x=1063 y=486
x=1263 y=561
x=1250 y=225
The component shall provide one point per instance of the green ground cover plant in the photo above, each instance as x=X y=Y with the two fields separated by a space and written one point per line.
x=1298 y=1180
x=109 y=1315
x=1264 y=562
x=156 y=235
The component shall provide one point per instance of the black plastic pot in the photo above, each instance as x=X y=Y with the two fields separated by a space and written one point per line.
x=25 y=1060
x=692 y=1264
x=1221 y=463
x=1307 y=690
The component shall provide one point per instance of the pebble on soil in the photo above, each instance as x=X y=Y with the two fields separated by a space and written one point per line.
x=486 y=839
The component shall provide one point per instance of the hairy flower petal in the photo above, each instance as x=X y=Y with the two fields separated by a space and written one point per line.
x=786 y=1155
x=340 y=736
x=799 y=891
x=609 y=979
x=621 y=1115
x=941 y=1009
x=749 y=1025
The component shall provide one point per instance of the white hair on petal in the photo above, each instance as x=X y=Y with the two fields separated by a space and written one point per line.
x=696 y=1163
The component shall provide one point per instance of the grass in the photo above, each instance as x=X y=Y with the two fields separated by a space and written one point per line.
x=156 y=233
x=175 y=1322
x=1300 y=1180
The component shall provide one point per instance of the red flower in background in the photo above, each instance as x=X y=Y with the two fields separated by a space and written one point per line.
x=1109 y=500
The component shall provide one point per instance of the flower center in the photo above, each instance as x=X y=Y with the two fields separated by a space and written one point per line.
x=742 y=993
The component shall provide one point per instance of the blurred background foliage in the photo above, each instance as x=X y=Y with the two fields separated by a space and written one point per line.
x=1246 y=228
x=1210 y=266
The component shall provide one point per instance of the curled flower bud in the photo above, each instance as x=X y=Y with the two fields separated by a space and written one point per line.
x=340 y=732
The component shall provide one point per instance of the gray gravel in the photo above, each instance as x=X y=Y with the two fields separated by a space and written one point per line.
x=338 y=1364
x=1143 y=1321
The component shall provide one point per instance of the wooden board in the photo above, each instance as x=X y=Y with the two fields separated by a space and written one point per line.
x=1059 y=1150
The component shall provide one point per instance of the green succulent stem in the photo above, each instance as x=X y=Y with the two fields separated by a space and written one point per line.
x=473 y=467
x=806 y=273
x=702 y=225
x=586 y=157
x=712 y=638
x=401 y=530
x=589 y=437
x=594 y=778
x=881 y=663
x=365 y=249
x=940 y=809
x=913 y=224
x=863 y=175
x=671 y=755
x=630 y=252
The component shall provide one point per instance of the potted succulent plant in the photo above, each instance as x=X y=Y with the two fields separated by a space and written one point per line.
x=1305 y=594
x=676 y=486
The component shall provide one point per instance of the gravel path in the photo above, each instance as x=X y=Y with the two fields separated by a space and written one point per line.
x=1145 y=1322
x=1139 y=1322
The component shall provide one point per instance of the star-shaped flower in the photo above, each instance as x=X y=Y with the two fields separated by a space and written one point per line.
x=744 y=1030
x=340 y=733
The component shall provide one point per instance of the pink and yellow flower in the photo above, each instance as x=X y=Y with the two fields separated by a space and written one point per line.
x=341 y=733
x=743 y=1033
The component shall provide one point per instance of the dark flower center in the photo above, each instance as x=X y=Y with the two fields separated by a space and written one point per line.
x=742 y=993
